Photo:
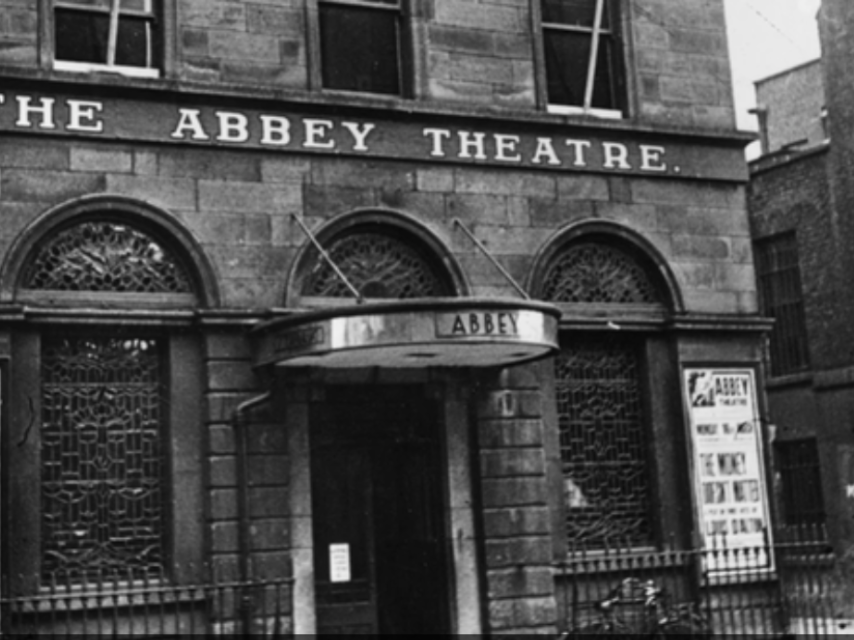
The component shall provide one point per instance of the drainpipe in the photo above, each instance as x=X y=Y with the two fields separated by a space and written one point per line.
x=239 y=424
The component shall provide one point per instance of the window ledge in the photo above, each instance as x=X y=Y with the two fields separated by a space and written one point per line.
x=112 y=70
x=569 y=110
x=802 y=378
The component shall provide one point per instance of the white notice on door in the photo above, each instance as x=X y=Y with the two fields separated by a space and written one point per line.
x=339 y=562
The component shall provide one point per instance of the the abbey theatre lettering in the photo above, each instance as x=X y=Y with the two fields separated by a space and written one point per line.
x=560 y=148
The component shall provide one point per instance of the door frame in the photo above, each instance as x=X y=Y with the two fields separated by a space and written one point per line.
x=293 y=398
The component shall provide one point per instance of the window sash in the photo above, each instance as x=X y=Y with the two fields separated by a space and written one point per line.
x=352 y=64
x=599 y=64
x=390 y=5
x=801 y=491
x=119 y=18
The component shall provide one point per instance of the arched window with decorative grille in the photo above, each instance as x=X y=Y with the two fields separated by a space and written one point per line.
x=381 y=257
x=110 y=292
x=608 y=289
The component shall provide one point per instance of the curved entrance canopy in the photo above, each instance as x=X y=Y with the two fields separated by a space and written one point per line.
x=431 y=332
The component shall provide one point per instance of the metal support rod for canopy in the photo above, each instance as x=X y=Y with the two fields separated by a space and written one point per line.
x=359 y=298
x=492 y=259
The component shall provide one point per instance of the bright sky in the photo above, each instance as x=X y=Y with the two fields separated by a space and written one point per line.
x=767 y=36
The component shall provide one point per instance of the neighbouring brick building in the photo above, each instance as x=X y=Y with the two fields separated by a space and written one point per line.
x=397 y=302
x=799 y=199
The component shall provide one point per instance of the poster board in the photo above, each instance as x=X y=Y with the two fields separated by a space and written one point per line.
x=730 y=490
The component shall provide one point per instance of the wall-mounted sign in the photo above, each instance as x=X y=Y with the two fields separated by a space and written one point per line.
x=430 y=332
x=550 y=147
x=729 y=477
x=339 y=562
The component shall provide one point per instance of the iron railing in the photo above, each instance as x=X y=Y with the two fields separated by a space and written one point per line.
x=792 y=585
x=106 y=608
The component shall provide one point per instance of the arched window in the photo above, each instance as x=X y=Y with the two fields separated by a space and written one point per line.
x=381 y=259
x=593 y=271
x=102 y=393
x=105 y=255
x=601 y=388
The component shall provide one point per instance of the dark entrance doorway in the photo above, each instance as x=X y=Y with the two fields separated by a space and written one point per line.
x=378 y=512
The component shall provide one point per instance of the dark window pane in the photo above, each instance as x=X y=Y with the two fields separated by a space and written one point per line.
x=81 y=36
x=567 y=56
x=576 y=13
x=781 y=298
x=800 y=475
x=359 y=49
x=134 y=42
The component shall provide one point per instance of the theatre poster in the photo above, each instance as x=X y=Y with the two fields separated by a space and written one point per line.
x=729 y=478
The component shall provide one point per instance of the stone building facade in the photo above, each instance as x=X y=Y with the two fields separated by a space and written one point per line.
x=384 y=297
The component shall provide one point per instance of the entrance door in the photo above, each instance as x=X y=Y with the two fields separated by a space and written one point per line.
x=377 y=487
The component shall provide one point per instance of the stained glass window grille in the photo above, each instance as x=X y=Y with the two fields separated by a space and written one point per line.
x=379 y=266
x=595 y=272
x=102 y=459
x=603 y=444
x=106 y=256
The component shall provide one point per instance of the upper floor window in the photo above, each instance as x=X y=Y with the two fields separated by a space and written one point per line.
x=780 y=295
x=112 y=35
x=584 y=70
x=360 y=45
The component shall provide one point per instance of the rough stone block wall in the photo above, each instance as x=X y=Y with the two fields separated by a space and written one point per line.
x=258 y=43
x=683 y=73
x=481 y=53
x=238 y=206
x=230 y=382
x=516 y=523
x=19 y=33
